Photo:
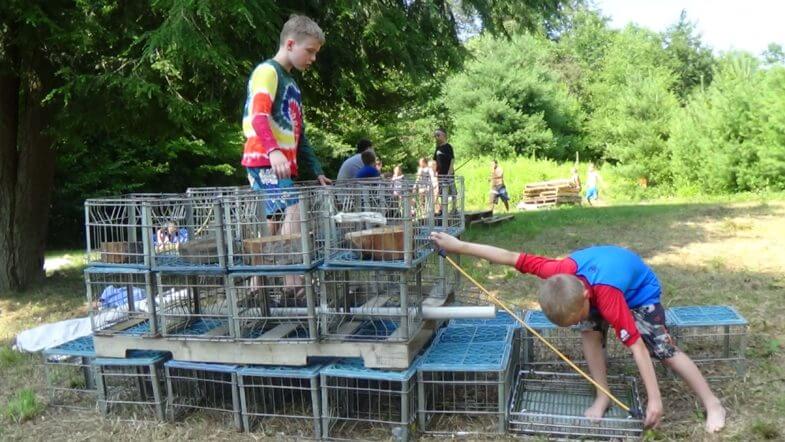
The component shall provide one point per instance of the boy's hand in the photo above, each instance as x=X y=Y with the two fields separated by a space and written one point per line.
x=446 y=242
x=324 y=180
x=279 y=164
x=653 y=414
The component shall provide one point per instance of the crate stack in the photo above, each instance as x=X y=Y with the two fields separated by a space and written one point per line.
x=550 y=193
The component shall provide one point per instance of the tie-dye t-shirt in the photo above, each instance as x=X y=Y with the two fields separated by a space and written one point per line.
x=273 y=119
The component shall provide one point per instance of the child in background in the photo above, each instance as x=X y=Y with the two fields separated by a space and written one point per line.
x=369 y=169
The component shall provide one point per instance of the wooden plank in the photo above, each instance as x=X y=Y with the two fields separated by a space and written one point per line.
x=279 y=331
x=126 y=324
x=498 y=219
x=217 y=331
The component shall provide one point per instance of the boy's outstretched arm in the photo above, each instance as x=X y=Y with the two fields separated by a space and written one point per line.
x=496 y=255
x=654 y=405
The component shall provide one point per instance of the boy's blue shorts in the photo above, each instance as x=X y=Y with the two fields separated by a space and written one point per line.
x=279 y=192
x=591 y=193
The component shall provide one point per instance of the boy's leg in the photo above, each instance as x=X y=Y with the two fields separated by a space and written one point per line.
x=687 y=370
x=650 y=321
x=593 y=332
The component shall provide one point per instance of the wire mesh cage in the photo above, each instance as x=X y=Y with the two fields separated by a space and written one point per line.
x=273 y=230
x=133 y=387
x=210 y=389
x=194 y=305
x=69 y=375
x=449 y=206
x=439 y=278
x=121 y=301
x=714 y=337
x=367 y=404
x=114 y=234
x=281 y=401
x=274 y=306
x=370 y=304
x=536 y=355
x=465 y=379
x=378 y=223
x=210 y=193
x=186 y=232
x=551 y=405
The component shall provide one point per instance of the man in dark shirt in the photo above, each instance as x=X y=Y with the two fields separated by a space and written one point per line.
x=443 y=155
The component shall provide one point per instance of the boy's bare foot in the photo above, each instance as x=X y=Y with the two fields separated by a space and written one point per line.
x=597 y=409
x=715 y=417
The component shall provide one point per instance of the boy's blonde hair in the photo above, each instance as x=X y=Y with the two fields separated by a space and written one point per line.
x=299 y=27
x=561 y=298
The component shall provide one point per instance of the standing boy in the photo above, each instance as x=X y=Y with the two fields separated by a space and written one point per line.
x=600 y=286
x=498 y=189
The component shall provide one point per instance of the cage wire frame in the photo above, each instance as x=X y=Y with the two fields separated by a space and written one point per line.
x=121 y=301
x=440 y=279
x=70 y=381
x=114 y=234
x=537 y=356
x=449 y=207
x=199 y=225
x=714 y=337
x=281 y=400
x=210 y=389
x=195 y=305
x=367 y=404
x=552 y=404
x=377 y=223
x=274 y=229
x=274 y=306
x=132 y=387
x=465 y=379
x=365 y=304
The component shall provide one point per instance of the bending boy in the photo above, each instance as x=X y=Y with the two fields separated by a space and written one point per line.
x=600 y=286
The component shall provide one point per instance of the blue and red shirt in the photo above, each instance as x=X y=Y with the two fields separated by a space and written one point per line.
x=616 y=279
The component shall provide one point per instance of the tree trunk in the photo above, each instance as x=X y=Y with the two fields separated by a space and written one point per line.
x=26 y=169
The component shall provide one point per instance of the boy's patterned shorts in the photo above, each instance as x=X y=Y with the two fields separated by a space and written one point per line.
x=277 y=190
x=650 y=321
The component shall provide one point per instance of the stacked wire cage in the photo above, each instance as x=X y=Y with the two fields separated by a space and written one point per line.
x=378 y=223
x=439 y=278
x=367 y=404
x=552 y=405
x=70 y=382
x=464 y=380
x=366 y=304
x=194 y=305
x=133 y=387
x=714 y=337
x=279 y=400
x=121 y=301
x=209 y=389
x=449 y=205
x=537 y=356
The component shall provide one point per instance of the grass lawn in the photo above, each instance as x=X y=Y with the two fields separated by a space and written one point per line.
x=704 y=253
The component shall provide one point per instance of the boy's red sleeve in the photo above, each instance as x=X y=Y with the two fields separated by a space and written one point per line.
x=609 y=301
x=544 y=267
x=264 y=83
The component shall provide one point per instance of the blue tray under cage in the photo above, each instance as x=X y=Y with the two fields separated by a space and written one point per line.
x=135 y=358
x=354 y=368
x=174 y=262
x=281 y=371
x=502 y=318
x=82 y=346
x=140 y=329
x=238 y=266
x=469 y=348
x=202 y=366
x=373 y=329
x=708 y=315
x=537 y=320
x=349 y=258
x=473 y=334
x=200 y=326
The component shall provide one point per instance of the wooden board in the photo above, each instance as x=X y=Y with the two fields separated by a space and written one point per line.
x=279 y=331
x=379 y=243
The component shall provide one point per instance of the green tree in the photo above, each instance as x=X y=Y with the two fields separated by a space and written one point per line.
x=691 y=60
x=508 y=101
x=633 y=103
